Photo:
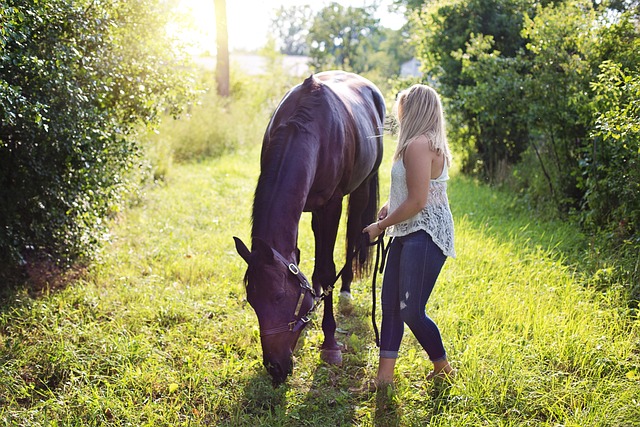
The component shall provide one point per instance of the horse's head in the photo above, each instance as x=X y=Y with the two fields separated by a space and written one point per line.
x=281 y=297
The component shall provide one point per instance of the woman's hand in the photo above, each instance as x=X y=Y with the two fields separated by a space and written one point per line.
x=373 y=230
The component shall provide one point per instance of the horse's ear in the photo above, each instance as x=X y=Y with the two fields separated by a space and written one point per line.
x=242 y=249
x=309 y=81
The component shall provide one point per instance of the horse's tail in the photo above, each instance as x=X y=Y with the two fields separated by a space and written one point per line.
x=363 y=208
x=369 y=216
x=358 y=249
x=363 y=249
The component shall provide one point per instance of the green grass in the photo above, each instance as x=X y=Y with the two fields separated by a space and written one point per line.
x=158 y=333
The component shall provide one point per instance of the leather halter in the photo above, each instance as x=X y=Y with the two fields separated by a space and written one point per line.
x=298 y=321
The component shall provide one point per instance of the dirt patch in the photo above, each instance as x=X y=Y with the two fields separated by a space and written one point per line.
x=43 y=275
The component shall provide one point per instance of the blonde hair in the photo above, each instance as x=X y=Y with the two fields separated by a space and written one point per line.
x=419 y=112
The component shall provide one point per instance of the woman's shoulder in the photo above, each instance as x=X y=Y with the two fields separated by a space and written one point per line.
x=421 y=145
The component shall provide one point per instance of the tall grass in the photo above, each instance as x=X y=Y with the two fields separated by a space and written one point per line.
x=216 y=125
x=160 y=334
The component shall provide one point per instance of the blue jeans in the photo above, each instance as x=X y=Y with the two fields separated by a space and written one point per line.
x=413 y=265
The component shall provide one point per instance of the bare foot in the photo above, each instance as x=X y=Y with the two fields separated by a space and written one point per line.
x=443 y=374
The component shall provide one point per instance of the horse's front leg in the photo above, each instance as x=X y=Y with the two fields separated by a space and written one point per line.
x=325 y=229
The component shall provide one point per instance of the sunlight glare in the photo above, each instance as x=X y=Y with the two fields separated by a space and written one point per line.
x=248 y=21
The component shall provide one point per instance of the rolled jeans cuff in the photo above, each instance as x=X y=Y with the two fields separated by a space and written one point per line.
x=389 y=354
x=439 y=359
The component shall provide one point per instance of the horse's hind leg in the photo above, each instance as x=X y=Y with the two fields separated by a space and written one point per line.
x=325 y=228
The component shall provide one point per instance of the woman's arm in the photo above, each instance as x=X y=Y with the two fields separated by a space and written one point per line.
x=417 y=158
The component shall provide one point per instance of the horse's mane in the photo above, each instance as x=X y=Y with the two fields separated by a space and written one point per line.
x=307 y=97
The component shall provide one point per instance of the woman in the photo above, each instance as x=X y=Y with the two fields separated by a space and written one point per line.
x=418 y=218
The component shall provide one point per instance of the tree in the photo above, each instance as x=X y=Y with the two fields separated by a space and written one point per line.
x=291 y=28
x=340 y=36
x=444 y=29
x=410 y=5
x=222 y=48
x=492 y=109
x=384 y=55
x=611 y=163
x=544 y=96
x=469 y=50
x=609 y=166
x=561 y=45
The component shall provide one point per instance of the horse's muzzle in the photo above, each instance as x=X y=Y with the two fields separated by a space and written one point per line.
x=279 y=371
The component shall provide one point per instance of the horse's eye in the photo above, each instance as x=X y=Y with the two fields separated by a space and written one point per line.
x=279 y=297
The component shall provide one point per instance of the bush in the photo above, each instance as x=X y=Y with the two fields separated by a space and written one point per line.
x=611 y=166
x=611 y=171
x=76 y=81
x=544 y=97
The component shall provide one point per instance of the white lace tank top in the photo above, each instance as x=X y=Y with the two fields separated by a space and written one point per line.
x=435 y=218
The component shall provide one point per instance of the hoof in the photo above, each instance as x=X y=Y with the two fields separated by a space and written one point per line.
x=345 y=303
x=332 y=357
x=346 y=295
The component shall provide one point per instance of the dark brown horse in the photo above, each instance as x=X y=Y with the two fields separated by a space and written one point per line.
x=323 y=142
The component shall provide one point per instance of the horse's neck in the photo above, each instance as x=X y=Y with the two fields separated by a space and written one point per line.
x=280 y=197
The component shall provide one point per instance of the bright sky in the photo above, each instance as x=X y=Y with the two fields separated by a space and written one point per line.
x=248 y=20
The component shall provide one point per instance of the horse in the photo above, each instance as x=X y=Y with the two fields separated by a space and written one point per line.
x=323 y=142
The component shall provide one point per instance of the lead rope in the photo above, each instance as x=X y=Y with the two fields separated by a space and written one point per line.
x=381 y=254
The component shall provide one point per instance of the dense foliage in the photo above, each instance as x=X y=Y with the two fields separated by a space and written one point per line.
x=544 y=96
x=77 y=78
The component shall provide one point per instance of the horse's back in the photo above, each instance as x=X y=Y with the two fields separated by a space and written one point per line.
x=366 y=108
x=361 y=98
x=344 y=114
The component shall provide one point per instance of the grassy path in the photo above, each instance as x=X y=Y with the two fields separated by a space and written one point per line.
x=158 y=333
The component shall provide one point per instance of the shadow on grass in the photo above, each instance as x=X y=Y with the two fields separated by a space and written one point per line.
x=440 y=396
x=383 y=403
x=328 y=400
x=260 y=403
x=387 y=410
x=505 y=217
x=10 y=294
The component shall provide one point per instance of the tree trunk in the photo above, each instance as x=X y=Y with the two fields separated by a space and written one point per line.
x=222 y=48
